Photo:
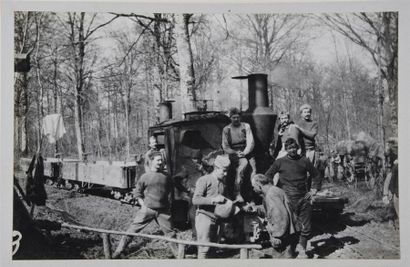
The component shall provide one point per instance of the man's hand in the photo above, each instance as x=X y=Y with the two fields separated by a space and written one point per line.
x=310 y=194
x=281 y=131
x=219 y=199
x=141 y=202
x=240 y=154
x=276 y=242
x=249 y=207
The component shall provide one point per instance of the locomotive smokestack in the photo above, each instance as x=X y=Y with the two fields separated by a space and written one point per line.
x=165 y=110
x=257 y=91
x=259 y=116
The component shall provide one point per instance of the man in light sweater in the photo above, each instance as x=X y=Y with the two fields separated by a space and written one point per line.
x=308 y=128
x=238 y=143
x=154 y=194
x=209 y=191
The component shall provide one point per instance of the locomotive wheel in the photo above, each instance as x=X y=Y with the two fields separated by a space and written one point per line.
x=68 y=185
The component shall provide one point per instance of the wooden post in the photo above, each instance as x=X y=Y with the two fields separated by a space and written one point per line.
x=244 y=253
x=181 y=251
x=107 y=245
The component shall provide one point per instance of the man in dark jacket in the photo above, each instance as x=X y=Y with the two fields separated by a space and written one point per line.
x=293 y=179
x=281 y=221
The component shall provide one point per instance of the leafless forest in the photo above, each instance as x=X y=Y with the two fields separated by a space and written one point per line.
x=106 y=73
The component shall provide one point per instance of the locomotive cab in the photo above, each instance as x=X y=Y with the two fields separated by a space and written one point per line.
x=198 y=133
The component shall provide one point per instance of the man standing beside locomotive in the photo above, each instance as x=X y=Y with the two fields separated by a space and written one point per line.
x=287 y=129
x=209 y=191
x=153 y=147
x=293 y=179
x=308 y=128
x=238 y=143
x=154 y=194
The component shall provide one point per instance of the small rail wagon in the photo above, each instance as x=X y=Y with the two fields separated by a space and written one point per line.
x=76 y=174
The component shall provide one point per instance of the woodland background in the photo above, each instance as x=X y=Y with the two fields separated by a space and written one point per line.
x=107 y=72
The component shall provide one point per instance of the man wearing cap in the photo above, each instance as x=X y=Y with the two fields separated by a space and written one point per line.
x=153 y=193
x=209 y=191
x=293 y=179
x=238 y=143
x=308 y=129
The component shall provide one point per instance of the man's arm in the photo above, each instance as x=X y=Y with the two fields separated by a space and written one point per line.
x=146 y=162
x=313 y=172
x=200 y=190
x=139 y=190
x=250 y=142
x=273 y=169
x=170 y=185
x=278 y=147
x=308 y=133
x=225 y=144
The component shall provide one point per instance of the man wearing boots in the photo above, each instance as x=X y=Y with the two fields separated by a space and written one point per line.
x=238 y=143
x=293 y=179
x=281 y=221
x=153 y=193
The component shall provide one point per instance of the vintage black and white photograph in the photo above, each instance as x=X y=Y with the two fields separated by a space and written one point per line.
x=205 y=135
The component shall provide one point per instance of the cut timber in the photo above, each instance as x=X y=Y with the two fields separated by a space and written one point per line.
x=107 y=245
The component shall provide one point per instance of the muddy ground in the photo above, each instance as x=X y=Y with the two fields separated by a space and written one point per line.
x=365 y=230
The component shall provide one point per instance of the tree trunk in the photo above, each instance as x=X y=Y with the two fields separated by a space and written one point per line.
x=389 y=36
x=186 y=67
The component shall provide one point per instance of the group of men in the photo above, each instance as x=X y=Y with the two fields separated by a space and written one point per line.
x=292 y=179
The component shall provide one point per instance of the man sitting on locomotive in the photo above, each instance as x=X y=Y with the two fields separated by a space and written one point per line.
x=154 y=194
x=293 y=179
x=238 y=143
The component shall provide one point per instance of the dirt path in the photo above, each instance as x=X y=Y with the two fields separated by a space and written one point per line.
x=363 y=231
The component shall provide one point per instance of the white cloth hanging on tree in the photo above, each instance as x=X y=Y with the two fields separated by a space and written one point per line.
x=53 y=127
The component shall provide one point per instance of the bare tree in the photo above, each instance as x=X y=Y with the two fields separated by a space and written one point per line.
x=186 y=66
x=271 y=37
x=377 y=33
x=79 y=32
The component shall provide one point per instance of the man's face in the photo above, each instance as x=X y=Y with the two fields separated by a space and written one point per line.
x=256 y=187
x=221 y=172
x=284 y=119
x=306 y=114
x=292 y=150
x=153 y=142
x=236 y=119
x=156 y=163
